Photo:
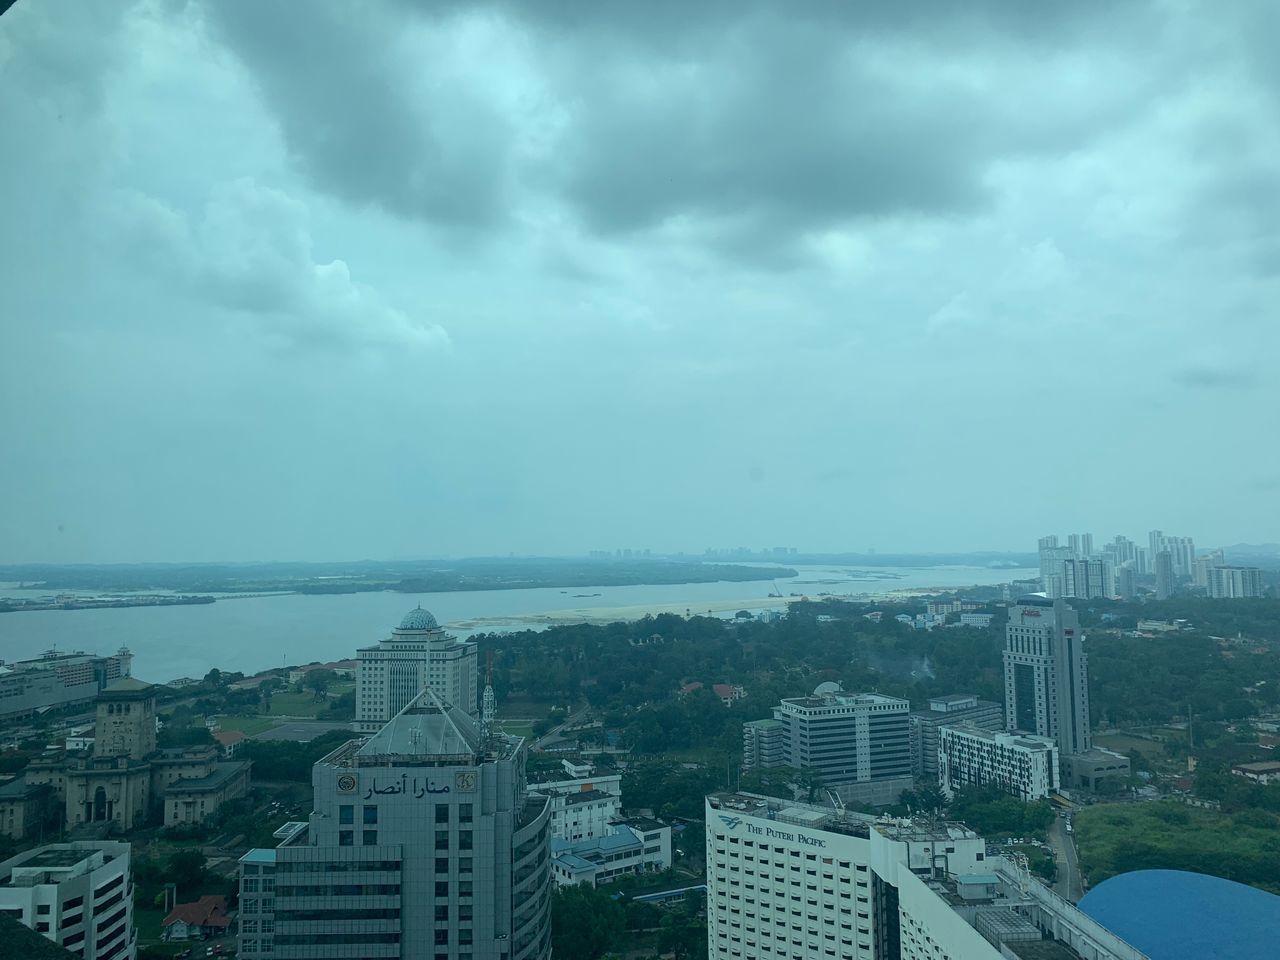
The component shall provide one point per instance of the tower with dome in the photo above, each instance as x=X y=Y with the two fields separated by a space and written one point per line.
x=418 y=655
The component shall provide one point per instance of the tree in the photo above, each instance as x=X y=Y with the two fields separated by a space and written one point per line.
x=585 y=922
x=319 y=682
x=187 y=871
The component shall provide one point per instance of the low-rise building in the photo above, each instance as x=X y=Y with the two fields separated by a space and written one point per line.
x=1264 y=772
x=1021 y=765
x=79 y=895
x=55 y=680
x=582 y=808
x=198 y=920
x=629 y=847
x=27 y=808
x=981 y=620
x=230 y=741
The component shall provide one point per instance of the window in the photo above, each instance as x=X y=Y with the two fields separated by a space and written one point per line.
x=464 y=813
x=464 y=888
x=464 y=864
x=442 y=813
x=346 y=838
x=370 y=838
x=346 y=813
x=442 y=839
x=370 y=816
x=442 y=888
x=442 y=913
x=464 y=839
x=442 y=937
x=442 y=864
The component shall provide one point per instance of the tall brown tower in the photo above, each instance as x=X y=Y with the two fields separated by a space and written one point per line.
x=126 y=720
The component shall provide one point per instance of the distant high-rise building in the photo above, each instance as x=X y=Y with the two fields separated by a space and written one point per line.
x=1086 y=579
x=1182 y=552
x=1126 y=581
x=1214 y=558
x=1165 y=579
x=1046 y=674
x=1233 y=582
x=417 y=655
x=1081 y=544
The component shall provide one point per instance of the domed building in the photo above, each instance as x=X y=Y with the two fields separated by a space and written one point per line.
x=418 y=655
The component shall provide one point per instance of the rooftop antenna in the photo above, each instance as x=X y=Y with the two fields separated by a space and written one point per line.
x=489 y=702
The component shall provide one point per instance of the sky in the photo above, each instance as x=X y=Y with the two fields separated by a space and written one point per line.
x=401 y=279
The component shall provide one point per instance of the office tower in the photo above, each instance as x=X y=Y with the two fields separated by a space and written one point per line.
x=79 y=895
x=1164 y=575
x=789 y=880
x=1046 y=674
x=952 y=709
x=1020 y=764
x=1126 y=581
x=424 y=843
x=860 y=744
x=1081 y=544
x=417 y=655
x=1234 y=582
x=1214 y=558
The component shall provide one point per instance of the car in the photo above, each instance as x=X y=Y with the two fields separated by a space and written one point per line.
x=208 y=951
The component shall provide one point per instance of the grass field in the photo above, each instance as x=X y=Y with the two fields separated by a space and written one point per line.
x=304 y=704
x=516 y=728
x=249 y=726
x=1115 y=838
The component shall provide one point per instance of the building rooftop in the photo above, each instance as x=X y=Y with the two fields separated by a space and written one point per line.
x=418 y=619
x=222 y=772
x=427 y=727
x=842 y=699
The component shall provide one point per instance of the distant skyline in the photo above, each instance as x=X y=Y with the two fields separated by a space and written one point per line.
x=391 y=279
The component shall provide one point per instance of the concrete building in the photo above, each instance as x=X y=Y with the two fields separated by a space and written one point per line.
x=860 y=744
x=582 y=808
x=1126 y=581
x=1022 y=765
x=417 y=655
x=1264 y=772
x=1234 y=582
x=629 y=847
x=1046 y=682
x=1181 y=550
x=791 y=881
x=980 y=620
x=952 y=709
x=764 y=744
x=28 y=809
x=79 y=895
x=424 y=843
x=1086 y=578
x=56 y=680
x=1214 y=558
x=126 y=778
x=1166 y=580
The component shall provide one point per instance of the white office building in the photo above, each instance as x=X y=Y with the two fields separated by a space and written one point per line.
x=79 y=895
x=790 y=881
x=628 y=847
x=1046 y=681
x=860 y=743
x=1021 y=765
x=951 y=709
x=417 y=655
x=583 y=808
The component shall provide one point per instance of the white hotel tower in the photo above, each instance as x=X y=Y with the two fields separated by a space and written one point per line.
x=418 y=655
x=794 y=881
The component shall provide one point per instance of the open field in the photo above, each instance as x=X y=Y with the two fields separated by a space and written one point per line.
x=249 y=726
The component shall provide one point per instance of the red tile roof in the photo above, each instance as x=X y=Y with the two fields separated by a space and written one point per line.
x=208 y=911
x=229 y=738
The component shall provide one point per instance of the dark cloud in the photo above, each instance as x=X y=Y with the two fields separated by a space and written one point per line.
x=1214 y=378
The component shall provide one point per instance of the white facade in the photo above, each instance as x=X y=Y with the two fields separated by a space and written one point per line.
x=1020 y=764
x=982 y=620
x=1046 y=688
x=1234 y=582
x=583 y=808
x=628 y=847
x=79 y=895
x=790 y=881
x=417 y=655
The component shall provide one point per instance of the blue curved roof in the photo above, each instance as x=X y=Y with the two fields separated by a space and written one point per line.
x=418 y=619
x=1174 y=914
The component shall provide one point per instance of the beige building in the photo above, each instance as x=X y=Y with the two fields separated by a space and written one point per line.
x=126 y=776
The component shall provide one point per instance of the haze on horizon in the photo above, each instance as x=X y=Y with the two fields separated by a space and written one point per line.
x=413 y=278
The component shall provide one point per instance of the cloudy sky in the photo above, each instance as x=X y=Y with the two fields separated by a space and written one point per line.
x=337 y=280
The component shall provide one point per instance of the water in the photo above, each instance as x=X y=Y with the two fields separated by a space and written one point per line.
x=254 y=633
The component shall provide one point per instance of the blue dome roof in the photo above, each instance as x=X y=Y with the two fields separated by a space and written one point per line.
x=418 y=619
x=1172 y=914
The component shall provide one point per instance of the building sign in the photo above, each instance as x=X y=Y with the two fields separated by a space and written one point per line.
x=1030 y=613
x=773 y=833
x=346 y=783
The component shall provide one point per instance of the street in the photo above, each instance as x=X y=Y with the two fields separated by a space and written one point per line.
x=1068 y=884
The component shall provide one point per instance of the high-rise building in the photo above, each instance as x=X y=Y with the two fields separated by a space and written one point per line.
x=1165 y=579
x=1081 y=544
x=858 y=743
x=1182 y=551
x=1126 y=581
x=1020 y=764
x=79 y=895
x=1233 y=582
x=1214 y=558
x=952 y=709
x=1086 y=579
x=1046 y=678
x=795 y=881
x=424 y=843
x=417 y=655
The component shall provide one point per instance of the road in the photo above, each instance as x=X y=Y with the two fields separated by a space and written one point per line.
x=1068 y=885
